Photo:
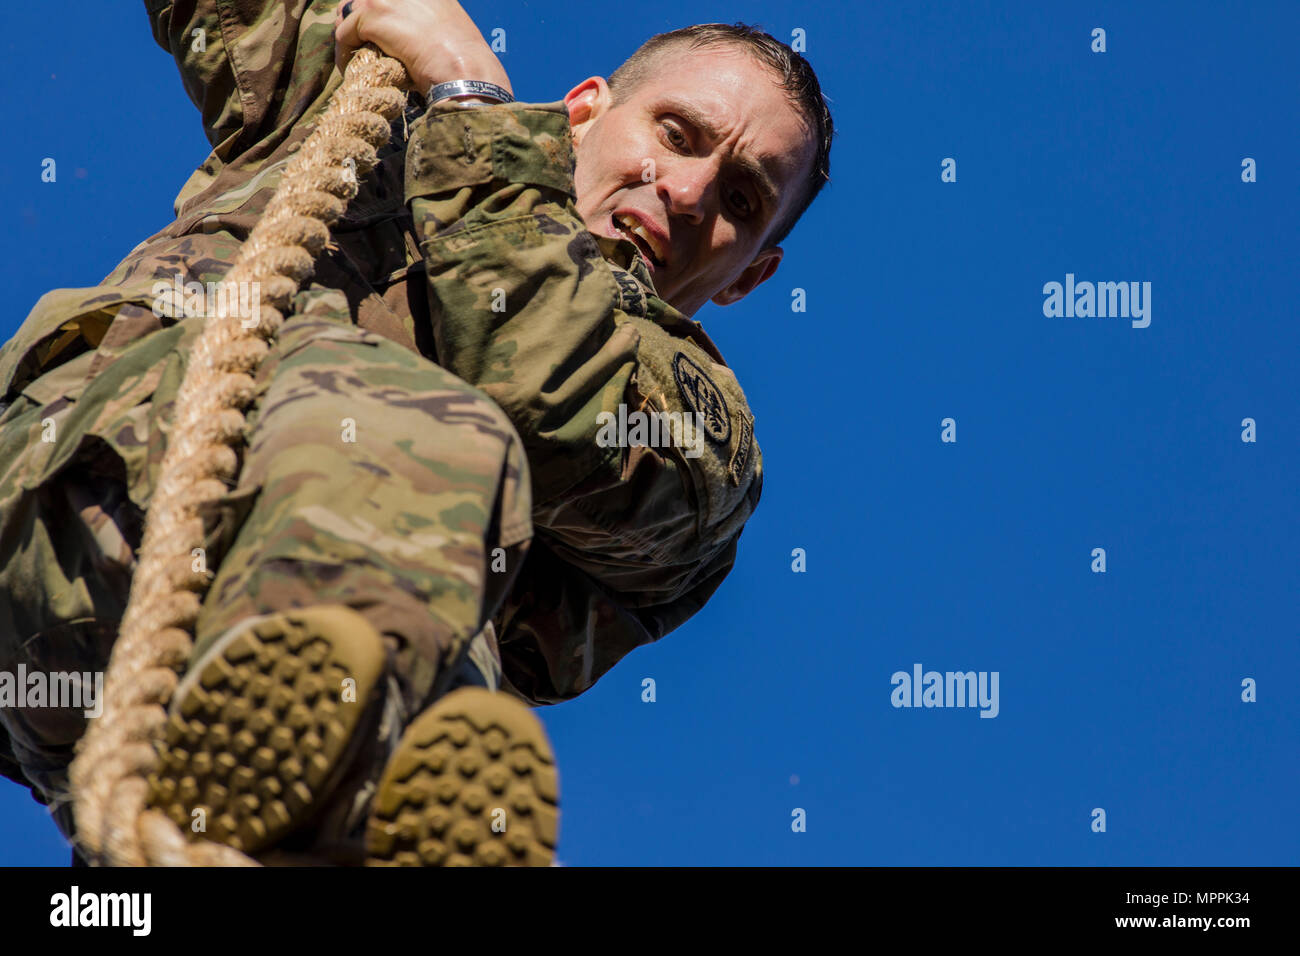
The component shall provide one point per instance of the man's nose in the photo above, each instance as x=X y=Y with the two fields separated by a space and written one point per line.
x=687 y=187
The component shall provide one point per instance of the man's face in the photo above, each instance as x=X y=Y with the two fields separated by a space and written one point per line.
x=707 y=155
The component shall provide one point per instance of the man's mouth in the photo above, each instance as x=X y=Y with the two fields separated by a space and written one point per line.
x=641 y=237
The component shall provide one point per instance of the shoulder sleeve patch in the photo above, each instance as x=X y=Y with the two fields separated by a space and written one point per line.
x=703 y=397
x=745 y=441
x=677 y=376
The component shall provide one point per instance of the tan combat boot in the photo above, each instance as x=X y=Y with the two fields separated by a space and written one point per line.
x=279 y=732
x=472 y=783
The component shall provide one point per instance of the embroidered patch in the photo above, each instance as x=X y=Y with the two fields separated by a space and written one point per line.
x=703 y=397
x=633 y=301
x=740 y=458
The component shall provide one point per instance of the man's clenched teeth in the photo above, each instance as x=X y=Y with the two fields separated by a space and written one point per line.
x=647 y=245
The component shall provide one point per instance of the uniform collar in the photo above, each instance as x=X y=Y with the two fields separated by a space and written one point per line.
x=626 y=264
x=624 y=254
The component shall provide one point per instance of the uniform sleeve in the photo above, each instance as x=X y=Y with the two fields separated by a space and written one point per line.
x=635 y=531
x=250 y=66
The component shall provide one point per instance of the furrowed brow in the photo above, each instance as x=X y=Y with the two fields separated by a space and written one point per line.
x=751 y=167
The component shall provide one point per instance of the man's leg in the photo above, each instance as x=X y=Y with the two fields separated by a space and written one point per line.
x=68 y=533
x=389 y=501
x=374 y=481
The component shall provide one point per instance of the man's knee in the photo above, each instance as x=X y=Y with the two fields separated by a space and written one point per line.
x=377 y=480
x=388 y=421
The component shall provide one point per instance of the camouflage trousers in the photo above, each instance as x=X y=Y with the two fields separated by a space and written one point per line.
x=371 y=477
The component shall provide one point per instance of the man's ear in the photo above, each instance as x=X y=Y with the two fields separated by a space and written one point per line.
x=586 y=101
x=755 y=274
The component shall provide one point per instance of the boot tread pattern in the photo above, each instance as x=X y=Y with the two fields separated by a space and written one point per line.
x=472 y=783
x=257 y=732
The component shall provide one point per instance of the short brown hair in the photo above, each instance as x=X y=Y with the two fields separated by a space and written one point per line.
x=795 y=74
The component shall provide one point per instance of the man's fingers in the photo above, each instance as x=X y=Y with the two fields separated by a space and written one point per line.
x=433 y=39
x=347 y=32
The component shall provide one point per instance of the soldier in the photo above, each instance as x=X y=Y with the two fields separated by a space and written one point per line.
x=424 y=503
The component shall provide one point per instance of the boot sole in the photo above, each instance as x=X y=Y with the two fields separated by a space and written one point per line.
x=471 y=783
x=261 y=726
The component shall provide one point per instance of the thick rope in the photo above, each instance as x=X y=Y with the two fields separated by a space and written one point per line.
x=109 y=776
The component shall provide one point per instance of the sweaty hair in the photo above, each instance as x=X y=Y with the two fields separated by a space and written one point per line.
x=794 y=73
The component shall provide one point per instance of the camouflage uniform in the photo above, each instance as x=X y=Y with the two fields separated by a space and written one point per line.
x=473 y=331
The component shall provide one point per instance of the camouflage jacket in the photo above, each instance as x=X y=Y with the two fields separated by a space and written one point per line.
x=464 y=245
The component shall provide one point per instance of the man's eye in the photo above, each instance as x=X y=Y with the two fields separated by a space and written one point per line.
x=675 y=136
x=741 y=202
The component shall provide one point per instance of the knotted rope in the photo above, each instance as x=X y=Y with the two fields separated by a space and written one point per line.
x=109 y=776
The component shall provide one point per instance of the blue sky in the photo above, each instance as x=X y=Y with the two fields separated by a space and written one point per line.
x=924 y=299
